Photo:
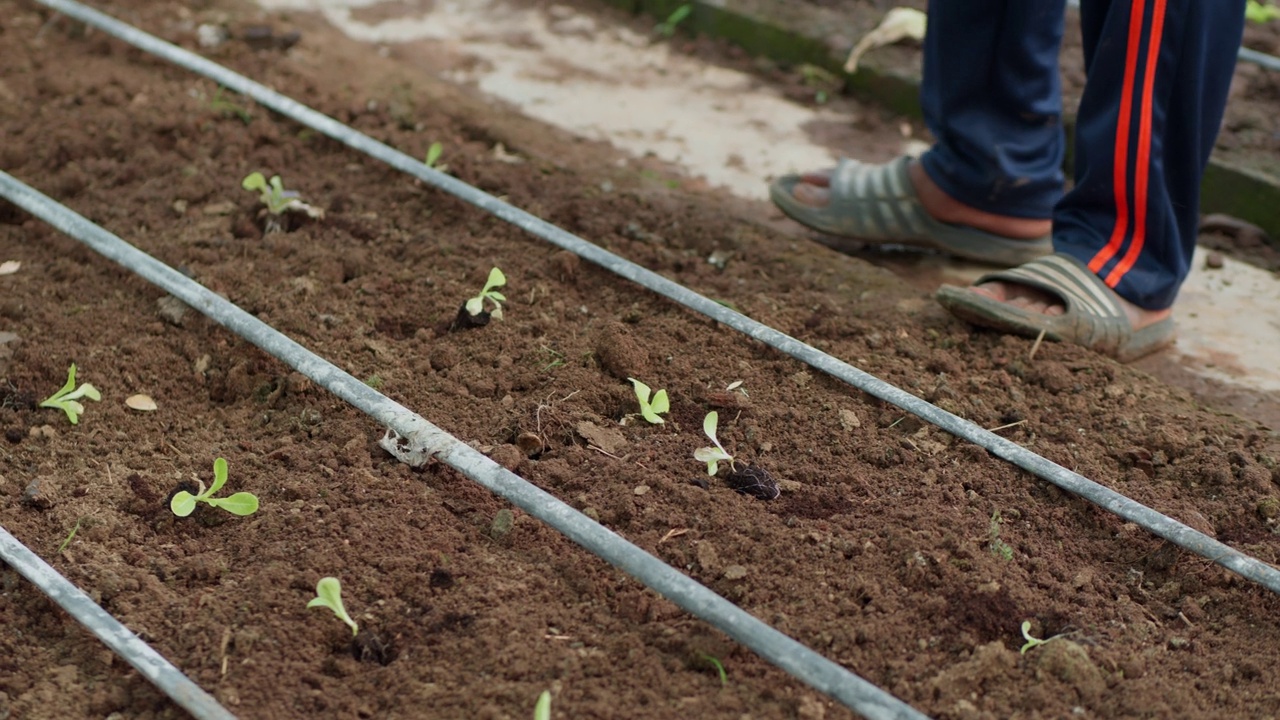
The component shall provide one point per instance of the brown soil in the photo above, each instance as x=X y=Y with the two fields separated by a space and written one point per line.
x=895 y=550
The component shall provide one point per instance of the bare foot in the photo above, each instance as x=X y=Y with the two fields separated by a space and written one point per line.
x=1033 y=300
x=813 y=190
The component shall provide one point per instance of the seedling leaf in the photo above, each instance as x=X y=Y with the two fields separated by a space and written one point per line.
x=329 y=594
x=1032 y=641
x=183 y=503
x=712 y=456
x=542 y=709
x=651 y=408
x=219 y=475
x=67 y=396
x=241 y=503
x=475 y=305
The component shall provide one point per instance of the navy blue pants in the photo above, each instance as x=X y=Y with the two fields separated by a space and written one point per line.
x=1157 y=72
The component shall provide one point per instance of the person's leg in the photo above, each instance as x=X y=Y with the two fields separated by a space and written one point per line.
x=1158 y=75
x=991 y=97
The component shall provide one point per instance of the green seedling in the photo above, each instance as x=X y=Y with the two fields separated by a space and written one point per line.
x=241 y=503
x=719 y=666
x=277 y=200
x=1032 y=641
x=475 y=305
x=329 y=594
x=433 y=156
x=651 y=408
x=70 y=536
x=712 y=456
x=542 y=709
x=374 y=381
x=998 y=547
x=226 y=107
x=667 y=27
x=1259 y=12
x=67 y=399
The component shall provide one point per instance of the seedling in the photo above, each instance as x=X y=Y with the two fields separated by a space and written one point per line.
x=475 y=305
x=226 y=107
x=736 y=386
x=650 y=409
x=241 y=503
x=1258 y=12
x=1032 y=641
x=542 y=709
x=719 y=666
x=667 y=27
x=998 y=547
x=712 y=456
x=67 y=399
x=433 y=156
x=70 y=536
x=277 y=200
x=329 y=594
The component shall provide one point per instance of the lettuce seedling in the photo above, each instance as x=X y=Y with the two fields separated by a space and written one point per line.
x=329 y=594
x=433 y=156
x=1032 y=641
x=667 y=28
x=475 y=305
x=1257 y=12
x=650 y=409
x=277 y=200
x=241 y=503
x=67 y=399
x=542 y=709
x=712 y=456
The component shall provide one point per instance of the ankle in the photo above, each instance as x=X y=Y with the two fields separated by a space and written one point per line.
x=944 y=208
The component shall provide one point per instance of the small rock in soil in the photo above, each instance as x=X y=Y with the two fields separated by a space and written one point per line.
x=508 y=456
x=172 y=310
x=619 y=354
x=1213 y=260
x=37 y=494
x=529 y=443
x=42 y=431
x=502 y=524
x=754 y=481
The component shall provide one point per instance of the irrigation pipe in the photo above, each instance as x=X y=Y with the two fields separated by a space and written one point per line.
x=1154 y=522
x=110 y=631
x=417 y=440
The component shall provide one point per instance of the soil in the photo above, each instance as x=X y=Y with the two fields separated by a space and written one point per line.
x=905 y=555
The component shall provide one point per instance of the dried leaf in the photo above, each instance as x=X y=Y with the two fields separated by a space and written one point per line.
x=898 y=24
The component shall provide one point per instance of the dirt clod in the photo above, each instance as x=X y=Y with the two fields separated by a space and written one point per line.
x=755 y=481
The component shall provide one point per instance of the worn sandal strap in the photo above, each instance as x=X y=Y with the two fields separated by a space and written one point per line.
x=880 y=198
x=1069 y=279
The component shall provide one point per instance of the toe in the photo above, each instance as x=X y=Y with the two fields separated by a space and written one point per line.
x=813 y=195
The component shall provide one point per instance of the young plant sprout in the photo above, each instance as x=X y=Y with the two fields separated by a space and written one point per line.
x=1257 y=12
x=542 y=709
x=1032 y=641
x=329 y=594
x=433 y=156
x=651 y=408
x=714 y=662
x=67 y=399
x=475 y=305
x=277 y=200
x=712 y=456
x=667 y=28
x=241 y=503
x=736 y=386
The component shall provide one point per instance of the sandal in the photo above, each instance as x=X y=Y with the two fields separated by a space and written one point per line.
x=877 y=204
x=1094 y=317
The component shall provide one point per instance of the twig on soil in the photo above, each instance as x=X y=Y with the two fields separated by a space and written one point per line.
x=1039 y=339
x=1006 y=426
x=673 y=533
